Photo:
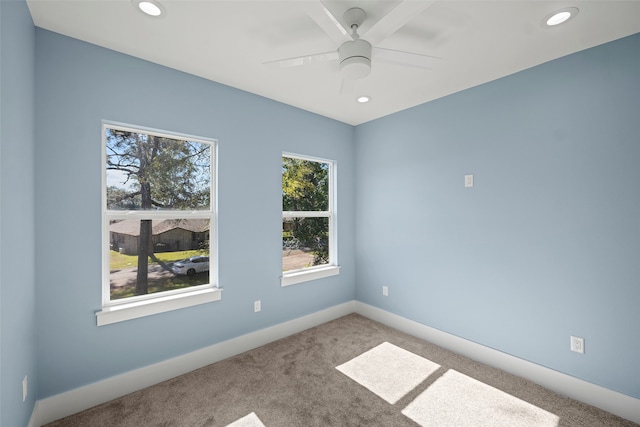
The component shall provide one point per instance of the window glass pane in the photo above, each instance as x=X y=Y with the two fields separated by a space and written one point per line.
x=305 y=242
x=177 y=255
x=145 y=171
x=305 y=185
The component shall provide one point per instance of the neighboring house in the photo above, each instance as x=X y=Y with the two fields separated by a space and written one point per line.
x=169 y=235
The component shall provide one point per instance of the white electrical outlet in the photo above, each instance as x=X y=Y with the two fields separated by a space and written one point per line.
x=577 y=344
x=385 y=291
x=257 y=306
x=25 y=388
x=468 y=181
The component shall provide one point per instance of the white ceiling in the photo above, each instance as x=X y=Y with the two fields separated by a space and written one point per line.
x=229 y=42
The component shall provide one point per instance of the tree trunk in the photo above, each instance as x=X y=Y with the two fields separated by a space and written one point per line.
x=142 y=278
x=144 y=243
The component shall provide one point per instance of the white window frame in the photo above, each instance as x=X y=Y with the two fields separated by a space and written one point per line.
x=332 y=268
x=159 y=302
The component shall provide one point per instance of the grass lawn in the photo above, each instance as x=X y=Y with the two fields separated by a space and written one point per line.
x=119 y=261
x=161 y=285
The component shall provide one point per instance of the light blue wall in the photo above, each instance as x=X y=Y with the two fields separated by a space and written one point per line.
x=78 y=85
x=17 y=255
x=545 y=245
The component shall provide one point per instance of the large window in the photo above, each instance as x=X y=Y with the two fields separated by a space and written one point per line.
x=158 y=222
x=308 y=219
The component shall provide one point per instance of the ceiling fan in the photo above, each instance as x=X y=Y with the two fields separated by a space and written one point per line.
x=355 y=53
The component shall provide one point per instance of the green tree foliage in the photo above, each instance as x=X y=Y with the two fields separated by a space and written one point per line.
x=158 y=173
x=305 y=187
x=120 y=199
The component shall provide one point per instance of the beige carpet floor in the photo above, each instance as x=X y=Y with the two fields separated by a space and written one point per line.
x=348 y=372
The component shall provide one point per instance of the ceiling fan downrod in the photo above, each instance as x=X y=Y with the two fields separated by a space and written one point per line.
x=355 y=55
x=354 y=17
x=354 y=32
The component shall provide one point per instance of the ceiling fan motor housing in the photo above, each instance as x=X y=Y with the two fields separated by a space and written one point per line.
x=355 y=59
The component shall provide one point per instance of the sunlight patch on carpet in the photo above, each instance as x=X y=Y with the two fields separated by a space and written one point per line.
x=389 y=371
x=456 y=399
x=250 y=420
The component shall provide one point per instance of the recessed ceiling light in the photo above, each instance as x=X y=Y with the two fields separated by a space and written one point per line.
x=149 y=7
x=363 y=99
x=560 y=16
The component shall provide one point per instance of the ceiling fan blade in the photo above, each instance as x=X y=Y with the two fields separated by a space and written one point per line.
x=326 y=20
x=303 y=60
x=405 y=58
x=394 y=20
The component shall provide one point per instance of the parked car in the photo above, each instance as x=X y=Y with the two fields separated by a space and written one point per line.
x=192 y=265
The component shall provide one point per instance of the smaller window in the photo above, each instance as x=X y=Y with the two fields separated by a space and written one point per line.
x=308 y=219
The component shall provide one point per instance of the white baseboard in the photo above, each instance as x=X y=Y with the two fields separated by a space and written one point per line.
x=85 y=397
x=82 y=398
x=617 y=403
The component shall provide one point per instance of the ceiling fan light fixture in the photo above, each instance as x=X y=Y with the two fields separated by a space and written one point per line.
x=355 y=68
x=355 y=59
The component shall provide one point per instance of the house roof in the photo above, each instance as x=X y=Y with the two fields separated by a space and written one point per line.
x=131 y=227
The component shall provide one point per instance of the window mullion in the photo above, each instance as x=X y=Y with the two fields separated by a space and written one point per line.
x=306 y=214
x=142 y=214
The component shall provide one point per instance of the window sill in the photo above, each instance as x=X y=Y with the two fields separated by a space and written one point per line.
x=134 y=310
x=300 y=276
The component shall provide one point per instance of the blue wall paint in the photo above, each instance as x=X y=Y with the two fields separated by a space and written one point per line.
x=546 y=245
x=78 y=85
x=17 y=277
